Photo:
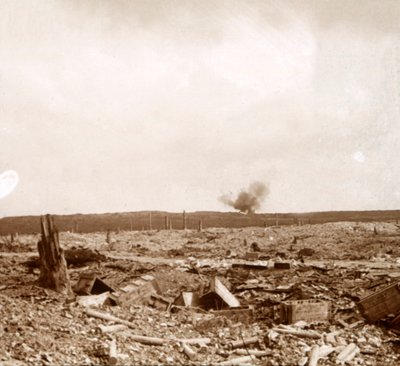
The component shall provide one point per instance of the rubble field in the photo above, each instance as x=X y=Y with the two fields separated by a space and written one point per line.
x=321 y=294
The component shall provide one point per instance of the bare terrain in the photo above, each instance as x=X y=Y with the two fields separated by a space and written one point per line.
x=339 y=263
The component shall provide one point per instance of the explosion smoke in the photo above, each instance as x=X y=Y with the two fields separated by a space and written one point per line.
x=248 y=201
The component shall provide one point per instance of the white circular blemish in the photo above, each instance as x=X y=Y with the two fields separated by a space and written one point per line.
x=8 y=181
x=359 y=156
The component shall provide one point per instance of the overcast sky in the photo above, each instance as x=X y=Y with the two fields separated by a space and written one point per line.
x=115 y=105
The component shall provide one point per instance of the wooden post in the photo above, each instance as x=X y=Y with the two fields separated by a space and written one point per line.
x=112 y=353
x=314 y=356
x=276 y=220
x=200 y=226
x=108 y=237
x=170 y=224
x=150 y=222
x=166 y=222
x=53 y=266
x=12 y=238
x=184 y=220
x=189 y=351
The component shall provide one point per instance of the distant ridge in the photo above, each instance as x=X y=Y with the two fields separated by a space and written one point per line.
x=140 y=220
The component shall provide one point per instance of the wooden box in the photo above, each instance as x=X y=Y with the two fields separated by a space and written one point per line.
x=90 y=284
x=381 y=303
x=307 y=310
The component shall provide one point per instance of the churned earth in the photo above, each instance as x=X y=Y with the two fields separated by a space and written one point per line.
x=339 y=263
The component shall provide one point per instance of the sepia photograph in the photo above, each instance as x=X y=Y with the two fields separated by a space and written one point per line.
x=200 y=182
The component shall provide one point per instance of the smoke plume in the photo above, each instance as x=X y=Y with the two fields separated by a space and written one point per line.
x=247 y=201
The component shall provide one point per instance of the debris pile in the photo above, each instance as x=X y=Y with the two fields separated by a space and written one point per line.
x=265 y=306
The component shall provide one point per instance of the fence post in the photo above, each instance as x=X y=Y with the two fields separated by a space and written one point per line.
x=184 y=220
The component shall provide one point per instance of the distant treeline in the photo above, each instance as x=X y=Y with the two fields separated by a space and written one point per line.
x=158 y=220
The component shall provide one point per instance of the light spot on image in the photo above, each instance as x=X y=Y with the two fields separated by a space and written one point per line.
x=8 y=181
x=359 y=156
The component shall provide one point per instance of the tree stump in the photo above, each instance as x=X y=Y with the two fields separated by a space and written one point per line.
x=53 y=266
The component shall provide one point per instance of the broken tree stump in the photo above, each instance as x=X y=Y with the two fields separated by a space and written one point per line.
x=53 y=266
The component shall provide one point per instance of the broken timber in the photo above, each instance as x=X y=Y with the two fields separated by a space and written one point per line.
x=243 y=342
x=238 y=361
x=112 y=353
x=298 y=332
x=190 y=353
x=250 y=265
x=242 y=314
x=154 y=341
x=53 y=266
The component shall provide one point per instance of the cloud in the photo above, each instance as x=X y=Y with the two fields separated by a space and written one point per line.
x=367 y=19
x=154 y=104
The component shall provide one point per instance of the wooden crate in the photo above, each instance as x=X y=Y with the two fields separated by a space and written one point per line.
x=90 y=284
x=380 y=304
x=395 y=323
x=252 y=256
x=282 y=265
x=307 y=310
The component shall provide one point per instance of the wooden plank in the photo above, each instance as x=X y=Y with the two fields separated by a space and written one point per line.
x=218 y=287
x=238 y=361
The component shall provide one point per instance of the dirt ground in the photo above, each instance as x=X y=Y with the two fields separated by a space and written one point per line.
x=339 y=263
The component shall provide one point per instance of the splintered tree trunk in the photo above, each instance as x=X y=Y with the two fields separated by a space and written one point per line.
x=53 y=266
